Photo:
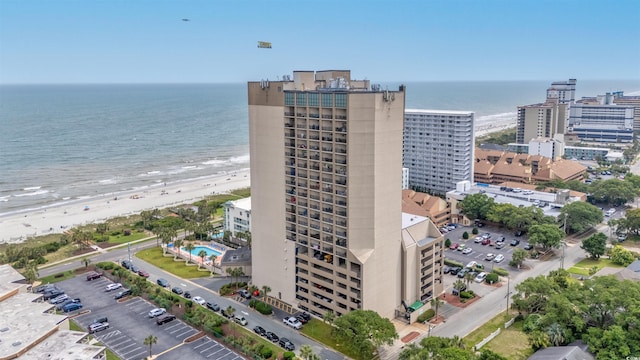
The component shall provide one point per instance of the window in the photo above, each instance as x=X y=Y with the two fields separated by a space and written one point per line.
x=327 y=100
x=313 y=99
x=288 y=98
x=301 y=99
x=341 y=101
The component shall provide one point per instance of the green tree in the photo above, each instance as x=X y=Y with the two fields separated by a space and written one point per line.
x=580 y=216
x=447 y=242
x=545 y=235
x=621 y=256
x=518 y=257
x=595 y=245
x=265 y=290
x=150 y=340
x=102 y=229
x=435 y=305
x=362 y=331
x=306 y=352
x=630 y=223
x=474 y=231
x=465 y=235
x=177 y=245
x=615 y=192
x=459 y=285
x=328 y=317
x=556 y=334
x=476 y=206
x=538 y=340
x=189 y=247
x=30 y=272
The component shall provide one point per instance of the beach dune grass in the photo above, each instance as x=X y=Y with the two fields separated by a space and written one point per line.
x=122 y=239
x=583 y=266
x=166 y=263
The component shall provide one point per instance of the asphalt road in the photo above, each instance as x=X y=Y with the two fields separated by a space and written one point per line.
x=271 y=323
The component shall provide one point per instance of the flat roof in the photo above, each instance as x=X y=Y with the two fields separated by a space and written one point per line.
x=244 y=203
x=64 y=345
x=431 y=111
x=410 y=219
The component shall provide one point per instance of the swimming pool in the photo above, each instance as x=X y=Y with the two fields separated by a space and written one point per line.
x=207 y=249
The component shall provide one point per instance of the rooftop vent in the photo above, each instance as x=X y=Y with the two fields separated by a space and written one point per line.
x=4 y=329
x=17 y=343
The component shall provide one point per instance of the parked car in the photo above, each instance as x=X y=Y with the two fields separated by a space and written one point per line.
x=446 y=269
x=455 y=270
x=286 y=344
x=519 y=233
x=126 y=264
x=143 y=273
x=240 y=319
x=163 y=319
x=157 y=312
x=45 y=288
x=471 y=264
x=462 y=273
x=486 y=242
x=259 y=330
x=199 y=300
x=305 y=315
x=293 y=322
x=499 y=258
x=501 y=239
x=52 y=294
x=245 y=294
x=514 y=242
x=134 y=268
x=499 y=245
x=489 y=256
x=72 y=307
x=61 y=305
x=162 y=282
x=187 y=295
x=94 y=328
x=112 y=287
x=528 y=247
x=213 y=306
x=480 y=277
x=454 y=246
x=461 y=247
x=467 y=251
x=478 y=239
x=225 y=314
x=486 y=236
x=301 y=319
x=123 y=293
x=272 y=337
x=177 y=290
x=58 y=299
x=93 y=275
x=457 y=292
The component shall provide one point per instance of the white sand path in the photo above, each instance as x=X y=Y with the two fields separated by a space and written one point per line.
x=16 y=228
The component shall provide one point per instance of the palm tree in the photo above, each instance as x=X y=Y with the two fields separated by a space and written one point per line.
x=85 y=261
x=459 y=285
x=306 y=352
x=468 y=278
x=538 y=340
x=202 y=254
x=435 y=304
x=189 y=247
x=328 y=317
x=150 y=340
x=230 y=272
x=102 y=229
x=177 y=245
x=556 y=334
x=165 y=235
x=265 y=290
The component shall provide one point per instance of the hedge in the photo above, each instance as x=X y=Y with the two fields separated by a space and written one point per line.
x=492 y=278
x=453 y=263
x=427 y=315
x=500 y=271
x=467 y=295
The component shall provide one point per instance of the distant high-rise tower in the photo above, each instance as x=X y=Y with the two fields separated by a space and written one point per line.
x=326 y=191
x=564 y=91
x=438 y=149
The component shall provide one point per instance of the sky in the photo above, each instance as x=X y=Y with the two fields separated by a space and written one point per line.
x=146 y=41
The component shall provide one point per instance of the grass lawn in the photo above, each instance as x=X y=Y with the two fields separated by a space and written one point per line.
x=121 y=239
x=57 y=277
x=582 y=267
x=485 y=330
x=321 y=332
x=177 y=268
x=512 y=343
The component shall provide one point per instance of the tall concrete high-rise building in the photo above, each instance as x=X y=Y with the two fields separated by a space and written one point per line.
x=438 y=148
x=541 y=120
x=326 y=192
x=564 y=91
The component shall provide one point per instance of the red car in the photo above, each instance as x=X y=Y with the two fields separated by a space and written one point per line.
x=486 y=242
x=143 y=273
x=454 y=246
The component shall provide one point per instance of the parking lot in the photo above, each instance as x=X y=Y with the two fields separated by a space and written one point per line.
x=478 y=251
x=129 y=325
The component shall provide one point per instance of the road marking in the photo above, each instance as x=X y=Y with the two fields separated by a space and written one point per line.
x=217 y=352
x=137 y=355
x=244 y=312
x=186 y=332
x=210 y=347
x=129 y=352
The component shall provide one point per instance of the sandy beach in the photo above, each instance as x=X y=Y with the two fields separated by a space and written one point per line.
x=16 y=228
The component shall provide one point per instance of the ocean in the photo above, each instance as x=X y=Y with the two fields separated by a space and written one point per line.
x=60 y=143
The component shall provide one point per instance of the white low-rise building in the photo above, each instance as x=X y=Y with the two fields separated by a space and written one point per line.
x=237 y=216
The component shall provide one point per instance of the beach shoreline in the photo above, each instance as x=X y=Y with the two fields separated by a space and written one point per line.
x=19 y=226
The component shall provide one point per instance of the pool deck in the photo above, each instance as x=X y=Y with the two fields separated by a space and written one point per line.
x=194 y=258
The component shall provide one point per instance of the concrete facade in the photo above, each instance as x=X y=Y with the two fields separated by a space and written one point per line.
x=602 y=122
x=326 y=173
x=438 y=148
x=551 y=148
x=536 y=120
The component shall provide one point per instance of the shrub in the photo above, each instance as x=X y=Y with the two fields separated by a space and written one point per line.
x=288 y=355
x=266 y=353
x=531 y=323
x=427 y=315
x=452 y=263
x=115 y=233
x=465 y=235
x=126 y=232
x=492 y=278
x=500 y=271
x=106 y=265
x=467 y=295
x=474 y=231
x=447 y=243
x=264 y=309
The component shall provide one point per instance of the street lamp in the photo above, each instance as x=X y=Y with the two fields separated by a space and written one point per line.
x=508 y=292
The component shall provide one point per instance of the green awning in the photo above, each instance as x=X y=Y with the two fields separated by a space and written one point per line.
x=416 y=305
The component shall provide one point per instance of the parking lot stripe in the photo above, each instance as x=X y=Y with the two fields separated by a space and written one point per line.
x=176 y=330
x=170 y=327
x=128 y=346
x=137 y=355
x=210 y=347
x=223 y=348
x=205 y=341
x=126 y=340
x=129 y=352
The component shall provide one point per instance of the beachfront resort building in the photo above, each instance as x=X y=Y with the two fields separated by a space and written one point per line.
x=601 y=120
x=326 y=172
x=31 y=329
x=237 y=216
x=546 y=119
x=438 y=148
x=564 y=91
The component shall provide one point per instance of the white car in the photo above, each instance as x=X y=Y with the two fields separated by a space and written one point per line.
x=480 y=278
x=478 y=239
x=499 y=258
x=467 y=251
x=115 y=286
x=157 y=312
x=199 y=300
x=293 y=322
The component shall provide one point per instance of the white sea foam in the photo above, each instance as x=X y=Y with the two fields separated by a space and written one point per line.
x=4 y=198
x=32 y=188
x=35 y=193
x=108 y=181
x=214 y=162
x=240 y=159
